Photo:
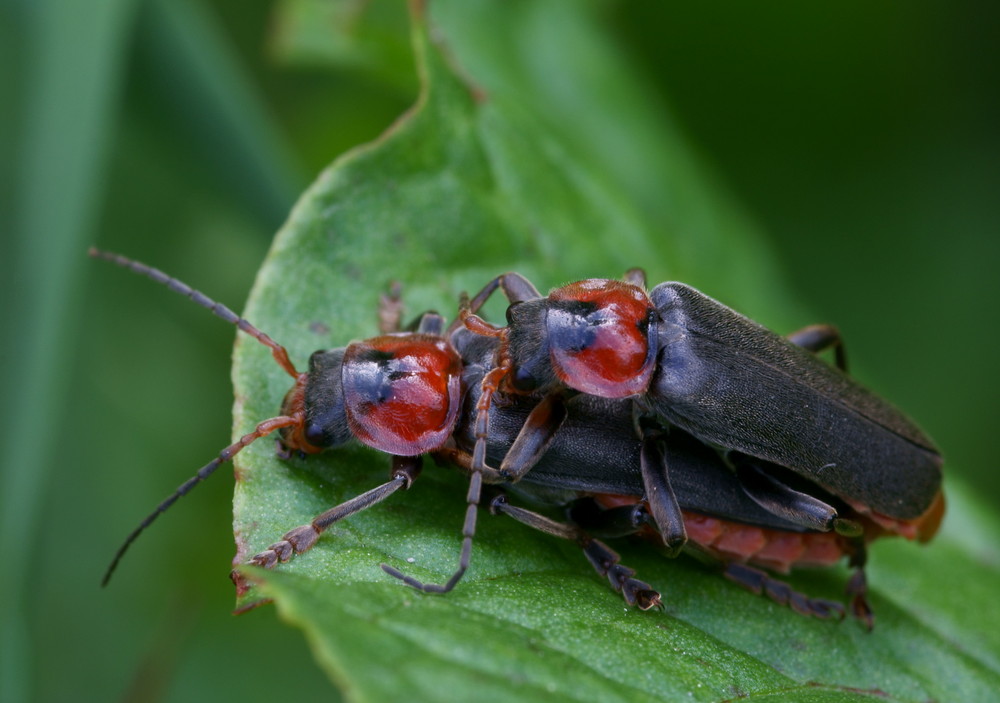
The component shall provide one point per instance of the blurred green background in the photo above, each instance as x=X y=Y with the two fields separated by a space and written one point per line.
x=863 y=138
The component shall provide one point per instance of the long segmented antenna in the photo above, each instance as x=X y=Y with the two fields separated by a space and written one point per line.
x=263 y=429
x=279 y=352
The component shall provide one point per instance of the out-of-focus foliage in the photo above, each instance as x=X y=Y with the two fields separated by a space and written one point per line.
x=863 y=138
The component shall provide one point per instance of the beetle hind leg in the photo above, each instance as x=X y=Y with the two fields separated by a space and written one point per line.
x=857 y=587
x=605 y=560
x=782 y=593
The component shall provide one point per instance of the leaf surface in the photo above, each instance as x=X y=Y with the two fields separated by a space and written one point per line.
x=479 y=178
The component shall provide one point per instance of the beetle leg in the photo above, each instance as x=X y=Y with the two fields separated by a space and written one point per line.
x=857 y=586
x=663 y=505
x=817 y=338
x=637 y=277
x=779 y=499
x=390 y=309
x=455 y=457
x=405 y=470
x=604 y=559
x=489 y=385
x=428 y=323
x=781 y=593
x=620 y=521
x=607 y=563
x=468 y=532
x=535 y=437
x=516 y=288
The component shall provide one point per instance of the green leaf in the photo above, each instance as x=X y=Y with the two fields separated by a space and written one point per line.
x=477 y=180
x=368 y=37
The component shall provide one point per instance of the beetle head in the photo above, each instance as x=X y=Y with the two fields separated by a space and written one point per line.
x=318 y=398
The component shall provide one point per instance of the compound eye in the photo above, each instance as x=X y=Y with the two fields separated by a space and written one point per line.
x=401 y=392
x=601 y=337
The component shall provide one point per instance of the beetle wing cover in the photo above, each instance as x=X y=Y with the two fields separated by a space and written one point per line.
x=733 y=383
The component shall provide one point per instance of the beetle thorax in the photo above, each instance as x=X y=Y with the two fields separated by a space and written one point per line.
x=402 y=392
x=601 y=337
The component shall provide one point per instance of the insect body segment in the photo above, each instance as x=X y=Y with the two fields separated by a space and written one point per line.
x=735 y=384
x=601 y=337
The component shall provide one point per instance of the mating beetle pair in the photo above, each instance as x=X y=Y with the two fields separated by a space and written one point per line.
x=400 y=393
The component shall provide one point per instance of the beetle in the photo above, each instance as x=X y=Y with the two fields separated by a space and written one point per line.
x=601 y=467
x=797 y=431
x=399 y=393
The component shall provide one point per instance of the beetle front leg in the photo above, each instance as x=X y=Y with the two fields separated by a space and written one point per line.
x=535 y=437
x=468 y=532
x=405 y=470
x=781 y=593
x=516 y=288
x=455 y=457
x=604 y=559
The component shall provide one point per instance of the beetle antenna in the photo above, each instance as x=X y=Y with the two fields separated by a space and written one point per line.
x=263 y=429
x=279 y=352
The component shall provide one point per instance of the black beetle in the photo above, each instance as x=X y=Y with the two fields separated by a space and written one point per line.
x=597 y=464
x=803 y=437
